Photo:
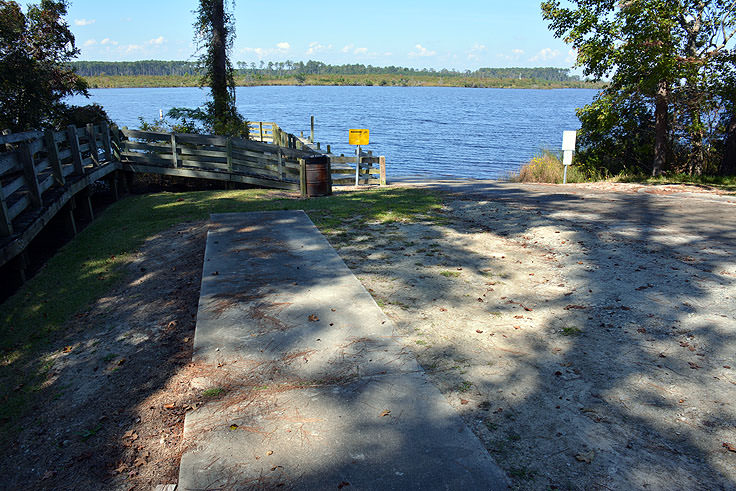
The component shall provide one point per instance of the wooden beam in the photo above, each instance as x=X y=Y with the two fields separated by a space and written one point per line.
x=92 y=136
x=54 y=161
x=311 y=133
x=106 y=141
x=303 y=177
x=29 y=170
x=382 y=163
x=229 y=155
x=6 y=224
x=71 y=135
x=174 y=157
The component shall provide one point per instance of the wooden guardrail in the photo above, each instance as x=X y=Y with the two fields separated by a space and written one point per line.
x=36 y=164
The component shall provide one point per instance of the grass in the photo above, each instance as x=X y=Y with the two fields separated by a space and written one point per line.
x=449 y=274
x=547 y=167
x=726 y=183
x=214 y=391
x=391 y=80
x=571 y=331
x=94 y=262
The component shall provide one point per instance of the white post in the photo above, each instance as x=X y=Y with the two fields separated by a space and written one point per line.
x=568 y=147
x=357 y=166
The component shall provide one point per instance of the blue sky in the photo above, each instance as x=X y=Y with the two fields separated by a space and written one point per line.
x=440 y=34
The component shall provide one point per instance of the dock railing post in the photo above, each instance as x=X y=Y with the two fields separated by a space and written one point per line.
x=303 y=177
x=382 y=163
x=31 y=174
x=53 y=153
x=174 y=157
x=71 y=135
x=311 y=134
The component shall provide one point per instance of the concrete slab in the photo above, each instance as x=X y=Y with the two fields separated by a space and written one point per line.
x=317 y=392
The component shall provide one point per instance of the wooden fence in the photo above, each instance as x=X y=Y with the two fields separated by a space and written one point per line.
x=45 y=173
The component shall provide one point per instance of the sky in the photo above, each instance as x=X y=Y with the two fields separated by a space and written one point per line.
x=466 y=34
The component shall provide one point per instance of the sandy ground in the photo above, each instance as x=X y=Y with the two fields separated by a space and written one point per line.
x=588 y=337
x=587 y=334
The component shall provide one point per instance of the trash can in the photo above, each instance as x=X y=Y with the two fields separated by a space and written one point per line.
x=318 y=175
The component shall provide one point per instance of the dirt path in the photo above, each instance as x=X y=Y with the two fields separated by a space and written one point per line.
x=589 y=338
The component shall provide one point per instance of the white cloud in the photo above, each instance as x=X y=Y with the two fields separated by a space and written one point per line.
x=388 y=53
x=109 y=41
x=514 y=56
x=315 y=47
x=130 y=48
x=545 y=54
x=90 y=42
x=422 y=51
x=476 y=50
x=84 y=22
x=572 y=56
x=157 y=41
x=280 y=49
x=361 y=51
x=348 y=48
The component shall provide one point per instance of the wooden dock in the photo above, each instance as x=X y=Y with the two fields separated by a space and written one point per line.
x=49 y=175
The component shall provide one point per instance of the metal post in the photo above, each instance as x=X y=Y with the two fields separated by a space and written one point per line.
x=357 y=165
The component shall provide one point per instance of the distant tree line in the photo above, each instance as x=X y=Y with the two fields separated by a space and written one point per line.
x=291 y=68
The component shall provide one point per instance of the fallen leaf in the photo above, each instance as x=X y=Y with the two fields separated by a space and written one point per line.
x=442 y=309
x=694 y=366
x=169 y=406
x=575 y=307
x=270 y=452
x=729 y=447
x=518 y=317
x=480 y=299
x=343 y=484
x=50 y=474
x=234 y=427
x=313 y=318
x=726 y=367
x=477 y=330
x=641 y=330
x=585 y=457
x=527 y=308
x=334 y=309
x=385 y=413
x=517 y=327
x=67 y=349
x=131 y=434
x=464 y=401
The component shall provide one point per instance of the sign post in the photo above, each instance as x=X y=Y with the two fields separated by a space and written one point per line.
x=568 y=147
x=358 y=137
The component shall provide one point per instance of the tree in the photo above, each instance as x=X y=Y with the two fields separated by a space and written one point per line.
x=664 y=53
x=34 y=76
x=213 y=36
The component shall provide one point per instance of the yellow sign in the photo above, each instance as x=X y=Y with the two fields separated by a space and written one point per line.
x=359 y=137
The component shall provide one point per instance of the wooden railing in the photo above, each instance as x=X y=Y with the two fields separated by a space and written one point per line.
x=36 y=164
x=215 y=157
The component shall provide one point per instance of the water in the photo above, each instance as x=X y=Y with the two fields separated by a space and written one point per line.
x=431 y=131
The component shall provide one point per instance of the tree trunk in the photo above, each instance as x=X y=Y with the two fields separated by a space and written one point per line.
x=728 y=164
x=220 y=95
x=660 y=129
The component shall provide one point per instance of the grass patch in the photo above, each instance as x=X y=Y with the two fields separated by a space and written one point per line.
x=464 y=386
x=213 y=392
x=571 y=331
x=726 y=183
x=450 y=274
x=547 y=167
x=94 y=262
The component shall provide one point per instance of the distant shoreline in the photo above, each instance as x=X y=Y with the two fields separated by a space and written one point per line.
x=173 y=81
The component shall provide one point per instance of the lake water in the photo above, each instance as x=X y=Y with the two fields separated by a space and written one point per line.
x=434 y=131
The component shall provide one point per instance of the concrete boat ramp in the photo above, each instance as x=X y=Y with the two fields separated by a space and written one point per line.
x=307 y=387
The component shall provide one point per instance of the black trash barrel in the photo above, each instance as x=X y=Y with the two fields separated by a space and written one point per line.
x=318 y=175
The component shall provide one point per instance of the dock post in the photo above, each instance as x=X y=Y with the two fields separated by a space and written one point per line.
x=311 y=134
x=303 y=177
x=382 y=163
